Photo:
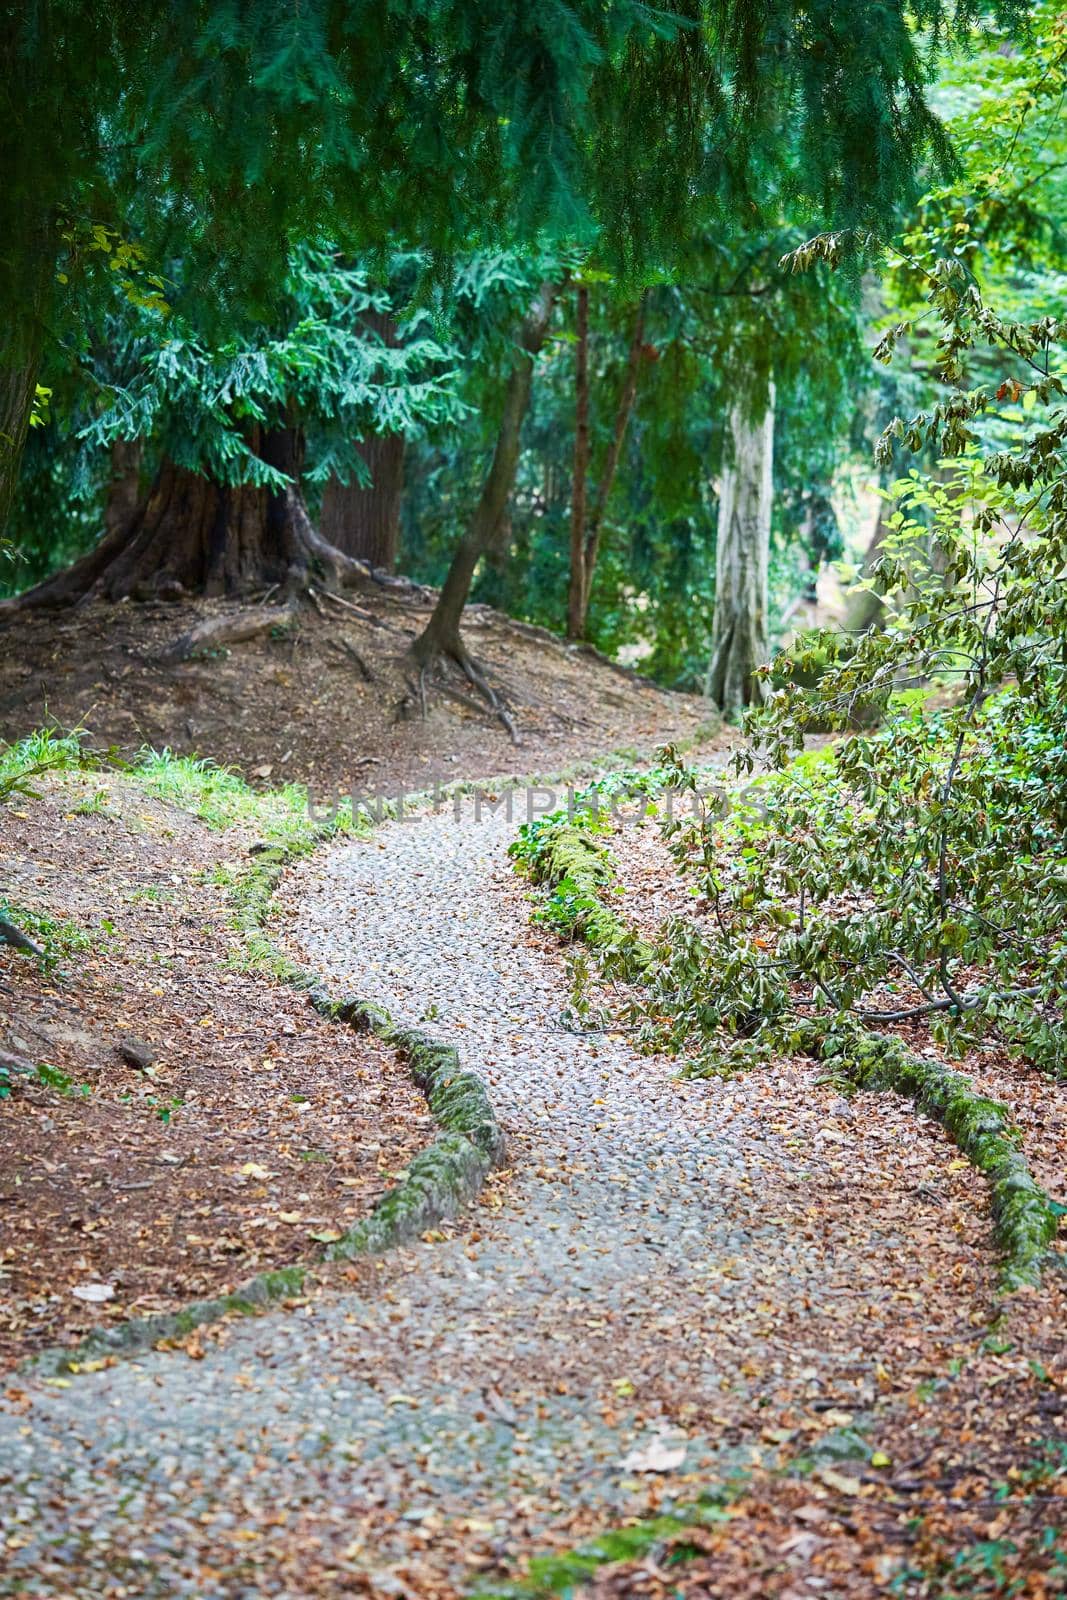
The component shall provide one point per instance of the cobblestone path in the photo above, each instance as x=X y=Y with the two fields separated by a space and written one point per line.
x=663 y=1272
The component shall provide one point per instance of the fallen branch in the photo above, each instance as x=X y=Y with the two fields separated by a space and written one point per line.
x=236 y=629
x=10 y=934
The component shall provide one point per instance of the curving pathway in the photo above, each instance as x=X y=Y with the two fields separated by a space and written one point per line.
x=672 y=1269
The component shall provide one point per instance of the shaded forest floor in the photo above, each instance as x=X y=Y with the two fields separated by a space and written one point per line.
x=187 y=1121
x=332 y=704
x=759 y=1291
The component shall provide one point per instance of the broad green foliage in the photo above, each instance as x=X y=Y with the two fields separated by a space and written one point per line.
x=320 y=366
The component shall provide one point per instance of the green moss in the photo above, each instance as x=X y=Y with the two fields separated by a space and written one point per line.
x=440 y=1181
x=144 y=1333
x=562 y=1576
x=568 y=857
x=1024 y=1217
x=446 y=1176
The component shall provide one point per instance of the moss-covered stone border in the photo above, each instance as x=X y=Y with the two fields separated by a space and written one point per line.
x=1025 y=1220
x=441 y=1180
x=571 y=861
x=445 y=1177
x=559 y=1576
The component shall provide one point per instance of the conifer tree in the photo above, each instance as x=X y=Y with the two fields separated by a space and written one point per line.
x=236 y=129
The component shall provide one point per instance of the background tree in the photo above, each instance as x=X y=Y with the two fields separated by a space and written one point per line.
x=235 y=131
x=228 y=427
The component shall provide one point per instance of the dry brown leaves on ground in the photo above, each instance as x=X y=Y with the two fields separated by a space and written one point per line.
x=298 y=708
x=251 y=1131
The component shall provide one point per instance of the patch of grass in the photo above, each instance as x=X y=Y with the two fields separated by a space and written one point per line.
x=94 y=805
x=45 y=750
x=221 y=798
x=57 y=936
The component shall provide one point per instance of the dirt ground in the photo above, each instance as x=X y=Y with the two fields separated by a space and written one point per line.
x=302 y=708
x=252 y=1131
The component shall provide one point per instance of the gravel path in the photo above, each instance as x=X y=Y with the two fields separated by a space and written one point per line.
x=681 y=1267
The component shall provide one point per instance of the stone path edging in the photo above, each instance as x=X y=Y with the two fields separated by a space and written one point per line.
x=441 y=1180
x=1025 y=1220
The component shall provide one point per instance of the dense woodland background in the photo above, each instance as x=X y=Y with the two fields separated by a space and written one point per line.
x=560 y=360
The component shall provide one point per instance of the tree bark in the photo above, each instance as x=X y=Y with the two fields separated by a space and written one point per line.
x=864 y=609
x=18 y=385
x=739 y=631
x=579 y=482
x=194 y=536
x=585 y=545
x=364 y=520
x=124 y=488
x=441 y=636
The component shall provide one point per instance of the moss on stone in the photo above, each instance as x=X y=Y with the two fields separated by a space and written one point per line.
x=139 y=1334
x=440 y=1181
x=552 y=1576
x=446 y=1176
x=571 y=861
x=1024 y=1220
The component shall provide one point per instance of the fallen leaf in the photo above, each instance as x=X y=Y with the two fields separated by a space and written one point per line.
x=659 y=1455
x=94 y=1293
x=838 y=1481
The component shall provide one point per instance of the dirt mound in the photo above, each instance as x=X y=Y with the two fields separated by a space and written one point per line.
x=332 y=701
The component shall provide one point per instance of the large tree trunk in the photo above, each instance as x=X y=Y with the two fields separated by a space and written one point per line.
x=198 y=537
x=585 y=531
x=18 y=385
x=441 y=636
x=124 y=486
x=364 y=520
x=21 y=333
x=739 y=633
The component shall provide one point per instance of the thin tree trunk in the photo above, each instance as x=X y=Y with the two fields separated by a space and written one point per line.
x=864 y=609
x=580 y=477
x=124 y=487
x=739 y=632
x=441 y=635
x=584 y=553
x=363 y=520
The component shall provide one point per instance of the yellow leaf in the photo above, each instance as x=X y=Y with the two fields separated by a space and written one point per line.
x=958 y=1166
x=880 y=1459
x=252 y=1169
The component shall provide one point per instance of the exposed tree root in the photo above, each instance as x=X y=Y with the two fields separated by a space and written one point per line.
x=215 y=632
x=12 y=935
x=433 y=661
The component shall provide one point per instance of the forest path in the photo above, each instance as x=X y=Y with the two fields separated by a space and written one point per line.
x=673 y=1268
